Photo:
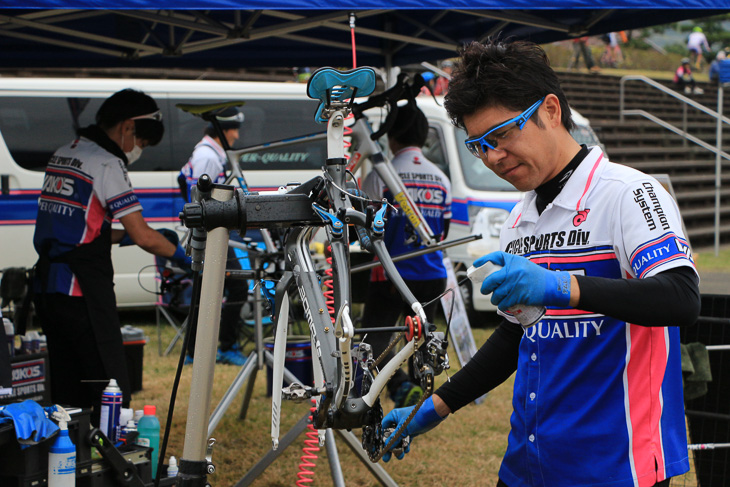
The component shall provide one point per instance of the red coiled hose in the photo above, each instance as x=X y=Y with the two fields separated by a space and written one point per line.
x=329 y=292
x=309 y=453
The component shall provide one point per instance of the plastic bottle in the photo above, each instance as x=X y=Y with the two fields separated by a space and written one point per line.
x=125 y=416
x=172 y=467
x=148 y=429
x=111 y=406
x=35 y=341
x=127 y=430
x=10 y=334
x=62 y=459
x=526 y=315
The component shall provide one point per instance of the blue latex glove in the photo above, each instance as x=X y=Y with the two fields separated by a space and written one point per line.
x=523 y=282
x=180 y=259
x=425 y=420
x=31 y=424
x=170 y=235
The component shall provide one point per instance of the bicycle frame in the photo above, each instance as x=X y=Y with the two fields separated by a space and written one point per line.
x=320 y=202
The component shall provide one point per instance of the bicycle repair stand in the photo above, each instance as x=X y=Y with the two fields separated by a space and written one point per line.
x=210 y=225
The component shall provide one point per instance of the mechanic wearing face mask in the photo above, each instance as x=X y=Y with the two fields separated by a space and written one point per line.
x=86 y=186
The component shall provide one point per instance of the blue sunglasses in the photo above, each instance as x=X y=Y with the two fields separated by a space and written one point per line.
x=503 y=134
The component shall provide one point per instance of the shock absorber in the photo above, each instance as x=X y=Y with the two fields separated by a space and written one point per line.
x=305 y=475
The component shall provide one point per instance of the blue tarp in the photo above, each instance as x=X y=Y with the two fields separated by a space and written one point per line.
x=367 y=4
x=212 y=33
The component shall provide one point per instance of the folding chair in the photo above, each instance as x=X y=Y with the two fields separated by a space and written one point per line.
x=173 y=301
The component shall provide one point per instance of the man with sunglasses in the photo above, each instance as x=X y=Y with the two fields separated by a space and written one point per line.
x=86 y=186
x=598 y=388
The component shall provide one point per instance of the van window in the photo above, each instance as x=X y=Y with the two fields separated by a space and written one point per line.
x=433 y=149
x=265 y=121
x=34 y=127
x=476 y=174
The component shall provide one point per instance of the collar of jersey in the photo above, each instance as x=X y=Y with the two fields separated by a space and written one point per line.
x=575 y=191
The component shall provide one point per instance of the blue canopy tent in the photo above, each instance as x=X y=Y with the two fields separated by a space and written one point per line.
x=275 y=33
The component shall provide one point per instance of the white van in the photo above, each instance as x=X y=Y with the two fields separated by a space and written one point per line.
x=38 y=115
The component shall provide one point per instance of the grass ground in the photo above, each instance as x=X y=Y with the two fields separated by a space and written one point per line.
x=708 y=262
x=464 y=450
x=636 y=61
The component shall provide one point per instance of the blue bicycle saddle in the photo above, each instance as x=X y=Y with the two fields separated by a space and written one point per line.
x=331 y=86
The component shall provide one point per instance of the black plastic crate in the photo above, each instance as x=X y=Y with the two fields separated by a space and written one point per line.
x=708 y=417
x=17 y=463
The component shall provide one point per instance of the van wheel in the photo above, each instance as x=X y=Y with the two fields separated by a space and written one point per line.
x=477 y=319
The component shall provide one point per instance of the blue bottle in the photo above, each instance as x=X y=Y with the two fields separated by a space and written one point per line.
x=62 y=460
x=111 y=406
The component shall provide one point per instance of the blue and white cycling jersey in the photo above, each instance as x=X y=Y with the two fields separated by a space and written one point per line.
x=430 y=190
x=85 y=187
x=209 y=158
x=598 y=401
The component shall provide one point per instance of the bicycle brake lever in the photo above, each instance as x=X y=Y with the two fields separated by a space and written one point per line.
x=327 y=217
x=379 y=219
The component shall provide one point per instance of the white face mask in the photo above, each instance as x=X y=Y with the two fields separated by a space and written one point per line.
x=134 y=154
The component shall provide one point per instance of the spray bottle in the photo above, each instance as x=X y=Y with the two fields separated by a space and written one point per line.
x=526 y=315
x=62 y=454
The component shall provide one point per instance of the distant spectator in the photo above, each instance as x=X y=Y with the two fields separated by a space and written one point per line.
x=696 y=45
x=580 y=48
x=612 y=56
x=684 y=80
x=715 y=67
x=442 y=82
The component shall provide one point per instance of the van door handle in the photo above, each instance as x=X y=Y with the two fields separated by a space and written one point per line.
x=5 y=184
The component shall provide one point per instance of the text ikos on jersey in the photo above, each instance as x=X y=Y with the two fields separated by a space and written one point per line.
x=546 y=329
x=58 y=185
x=639 y=198
x=546 y=241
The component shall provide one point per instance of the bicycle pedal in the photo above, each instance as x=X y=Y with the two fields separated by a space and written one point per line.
x=296 y=392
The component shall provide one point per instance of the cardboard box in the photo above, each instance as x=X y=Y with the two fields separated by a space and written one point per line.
x=31 y=379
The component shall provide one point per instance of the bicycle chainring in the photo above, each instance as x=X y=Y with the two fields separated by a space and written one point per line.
x=372 y=432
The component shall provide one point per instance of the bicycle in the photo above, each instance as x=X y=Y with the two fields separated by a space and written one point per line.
x=331 y=202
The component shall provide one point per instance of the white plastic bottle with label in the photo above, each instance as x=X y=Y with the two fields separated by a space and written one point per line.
x=62 y=460
x=526 y=315
x=172 y=469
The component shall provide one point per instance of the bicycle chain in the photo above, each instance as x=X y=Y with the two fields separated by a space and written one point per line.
x=387 y=350
x=396 y=435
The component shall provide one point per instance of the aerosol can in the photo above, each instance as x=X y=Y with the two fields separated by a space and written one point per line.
x=111 y=406
x=526 y=315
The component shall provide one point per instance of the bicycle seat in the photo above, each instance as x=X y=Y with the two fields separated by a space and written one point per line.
x=332 y=87
x=209 y=110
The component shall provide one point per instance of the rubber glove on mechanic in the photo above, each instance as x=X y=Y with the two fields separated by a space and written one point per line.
x=426 y=419
x=521 y=281
x=31 y=424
